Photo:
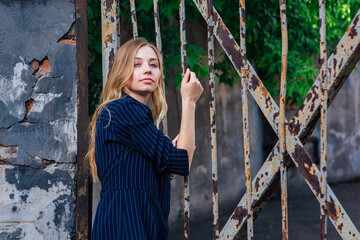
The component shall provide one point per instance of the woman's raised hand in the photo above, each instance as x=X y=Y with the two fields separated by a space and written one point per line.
x=191 y=91
x=191 y=88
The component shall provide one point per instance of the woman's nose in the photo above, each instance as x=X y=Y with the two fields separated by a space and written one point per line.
x=146 y=68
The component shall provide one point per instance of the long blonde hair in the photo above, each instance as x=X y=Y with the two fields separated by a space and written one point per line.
x=120 y=73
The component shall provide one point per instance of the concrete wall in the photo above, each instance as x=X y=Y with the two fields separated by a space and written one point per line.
x=38 y=115
x=344 y=131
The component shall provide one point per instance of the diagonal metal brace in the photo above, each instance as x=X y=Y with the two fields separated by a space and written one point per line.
x=343 y=61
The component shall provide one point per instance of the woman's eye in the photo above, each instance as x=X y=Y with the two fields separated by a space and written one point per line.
x=154 y=65
x=137 y=64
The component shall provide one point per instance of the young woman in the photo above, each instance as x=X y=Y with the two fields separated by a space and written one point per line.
x=131 y=157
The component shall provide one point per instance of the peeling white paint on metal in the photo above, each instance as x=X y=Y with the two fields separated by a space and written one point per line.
x=41 y=99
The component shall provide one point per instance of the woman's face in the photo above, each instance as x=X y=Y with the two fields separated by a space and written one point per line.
x=146 y=74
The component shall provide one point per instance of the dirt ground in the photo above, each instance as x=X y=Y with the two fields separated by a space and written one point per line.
x=304 y=216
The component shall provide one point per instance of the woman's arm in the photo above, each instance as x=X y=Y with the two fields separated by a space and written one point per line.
x=191 y=91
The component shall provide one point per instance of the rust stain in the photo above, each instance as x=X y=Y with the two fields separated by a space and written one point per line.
x=295 y=127
x=215 y=187
x=340 y=227
x=108 y=39
x=29 y=104
x=34 y=65
x=109 y=4
x=45 y=68
x=331 y=209
x=257 y=185
x=67 y=41
x=254 y=84
x=305 y=166
x=341 y=62
x=240 y=213
x=353 y=31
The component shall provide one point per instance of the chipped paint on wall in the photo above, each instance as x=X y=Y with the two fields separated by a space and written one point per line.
x=38 y=116
x=65 y=131
x=41 y=99
x=17 y=86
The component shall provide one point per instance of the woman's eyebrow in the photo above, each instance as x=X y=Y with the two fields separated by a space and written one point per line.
x=151 y=59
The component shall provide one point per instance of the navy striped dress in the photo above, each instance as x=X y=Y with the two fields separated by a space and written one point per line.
x=133 y=160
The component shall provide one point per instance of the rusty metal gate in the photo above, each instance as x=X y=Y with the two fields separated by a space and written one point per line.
x=292 y=133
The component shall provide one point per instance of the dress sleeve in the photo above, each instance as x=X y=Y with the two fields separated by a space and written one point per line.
x=134 y=128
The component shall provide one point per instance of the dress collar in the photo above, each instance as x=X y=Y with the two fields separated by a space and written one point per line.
x=146 y=108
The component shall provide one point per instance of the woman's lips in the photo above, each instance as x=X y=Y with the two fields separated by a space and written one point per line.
x=147 y=80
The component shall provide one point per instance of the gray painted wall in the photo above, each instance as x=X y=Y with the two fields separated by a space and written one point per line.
x=38 y=115
x=344 y=131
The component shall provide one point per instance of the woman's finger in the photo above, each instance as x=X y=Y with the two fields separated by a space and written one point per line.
x=174 y=142
x=193 y=76
x=186 y=77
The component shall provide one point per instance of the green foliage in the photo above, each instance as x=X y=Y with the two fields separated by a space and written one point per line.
x=263 y=40
x=180 y=215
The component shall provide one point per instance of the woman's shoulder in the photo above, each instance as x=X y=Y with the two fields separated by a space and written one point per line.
x=127 y=102
x=127 y=107
x=120 y=103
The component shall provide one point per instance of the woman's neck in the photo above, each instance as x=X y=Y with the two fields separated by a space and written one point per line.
x=140 y=98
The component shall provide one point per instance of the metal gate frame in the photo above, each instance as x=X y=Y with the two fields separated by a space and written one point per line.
x=296 y=131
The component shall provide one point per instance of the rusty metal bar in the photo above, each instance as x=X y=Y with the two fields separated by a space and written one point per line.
x=245 y=114
x=118 y=24
x=183 y=68
x=347 y=53
x=212 y=103
x=157 y=26
x=323 y=119
x=182 y=36
x=109 y=34
x=344 y=59
x=323 y=114
x=282 y=135
x=133 y=19
x=342 y=62
x=159 y=46
x=186 y=208
x=83 y=181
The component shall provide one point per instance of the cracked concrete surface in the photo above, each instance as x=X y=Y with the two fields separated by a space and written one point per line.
x=38 y=116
